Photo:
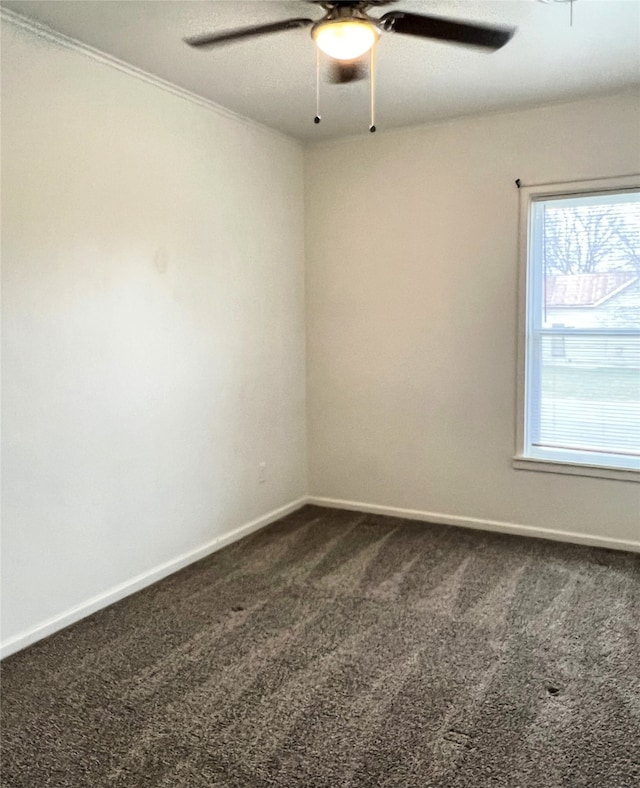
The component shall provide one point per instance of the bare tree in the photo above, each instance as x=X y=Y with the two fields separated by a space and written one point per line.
x=592 y=238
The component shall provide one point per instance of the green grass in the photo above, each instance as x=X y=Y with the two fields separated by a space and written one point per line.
x=601 y=383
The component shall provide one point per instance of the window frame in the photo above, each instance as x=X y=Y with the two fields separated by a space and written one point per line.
x=567 y=464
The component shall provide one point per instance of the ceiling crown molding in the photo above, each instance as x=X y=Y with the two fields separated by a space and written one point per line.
x=49 y=34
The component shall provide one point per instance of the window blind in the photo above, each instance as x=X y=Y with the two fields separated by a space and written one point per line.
x=583 y=330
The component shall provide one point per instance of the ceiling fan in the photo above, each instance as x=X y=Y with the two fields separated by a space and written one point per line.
x=346 y=33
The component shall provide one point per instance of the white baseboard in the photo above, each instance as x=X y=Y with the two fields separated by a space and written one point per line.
x=483 y=525
x=54 y=624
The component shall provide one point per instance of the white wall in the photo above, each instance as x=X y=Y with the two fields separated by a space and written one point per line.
x=411 y=314
x=153 y=328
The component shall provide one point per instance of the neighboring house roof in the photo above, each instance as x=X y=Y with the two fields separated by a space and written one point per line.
x=586 y=289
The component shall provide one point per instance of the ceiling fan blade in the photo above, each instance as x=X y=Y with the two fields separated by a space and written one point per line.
x=368 y=3
x=340 y=72
x=446 y=29
x=224 y=36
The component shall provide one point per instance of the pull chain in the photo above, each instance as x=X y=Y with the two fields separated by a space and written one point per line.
x=372 y=83
x=317 y=117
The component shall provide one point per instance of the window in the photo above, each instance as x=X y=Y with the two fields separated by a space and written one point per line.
x=579 y=379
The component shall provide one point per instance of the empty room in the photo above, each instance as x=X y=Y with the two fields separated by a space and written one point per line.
x=320 y=394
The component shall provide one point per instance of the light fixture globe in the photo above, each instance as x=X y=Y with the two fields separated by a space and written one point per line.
x=345 y=39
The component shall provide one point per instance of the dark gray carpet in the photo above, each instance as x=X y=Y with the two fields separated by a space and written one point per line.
x=340 y=649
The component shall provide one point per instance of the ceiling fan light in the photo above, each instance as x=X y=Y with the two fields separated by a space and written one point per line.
x=345 y=39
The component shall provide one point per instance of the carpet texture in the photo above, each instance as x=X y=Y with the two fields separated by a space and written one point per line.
x=341 y=649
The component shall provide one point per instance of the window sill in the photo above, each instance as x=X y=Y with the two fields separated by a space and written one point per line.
x=575 y=469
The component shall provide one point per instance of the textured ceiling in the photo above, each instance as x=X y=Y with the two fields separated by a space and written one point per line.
x=272 y=79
